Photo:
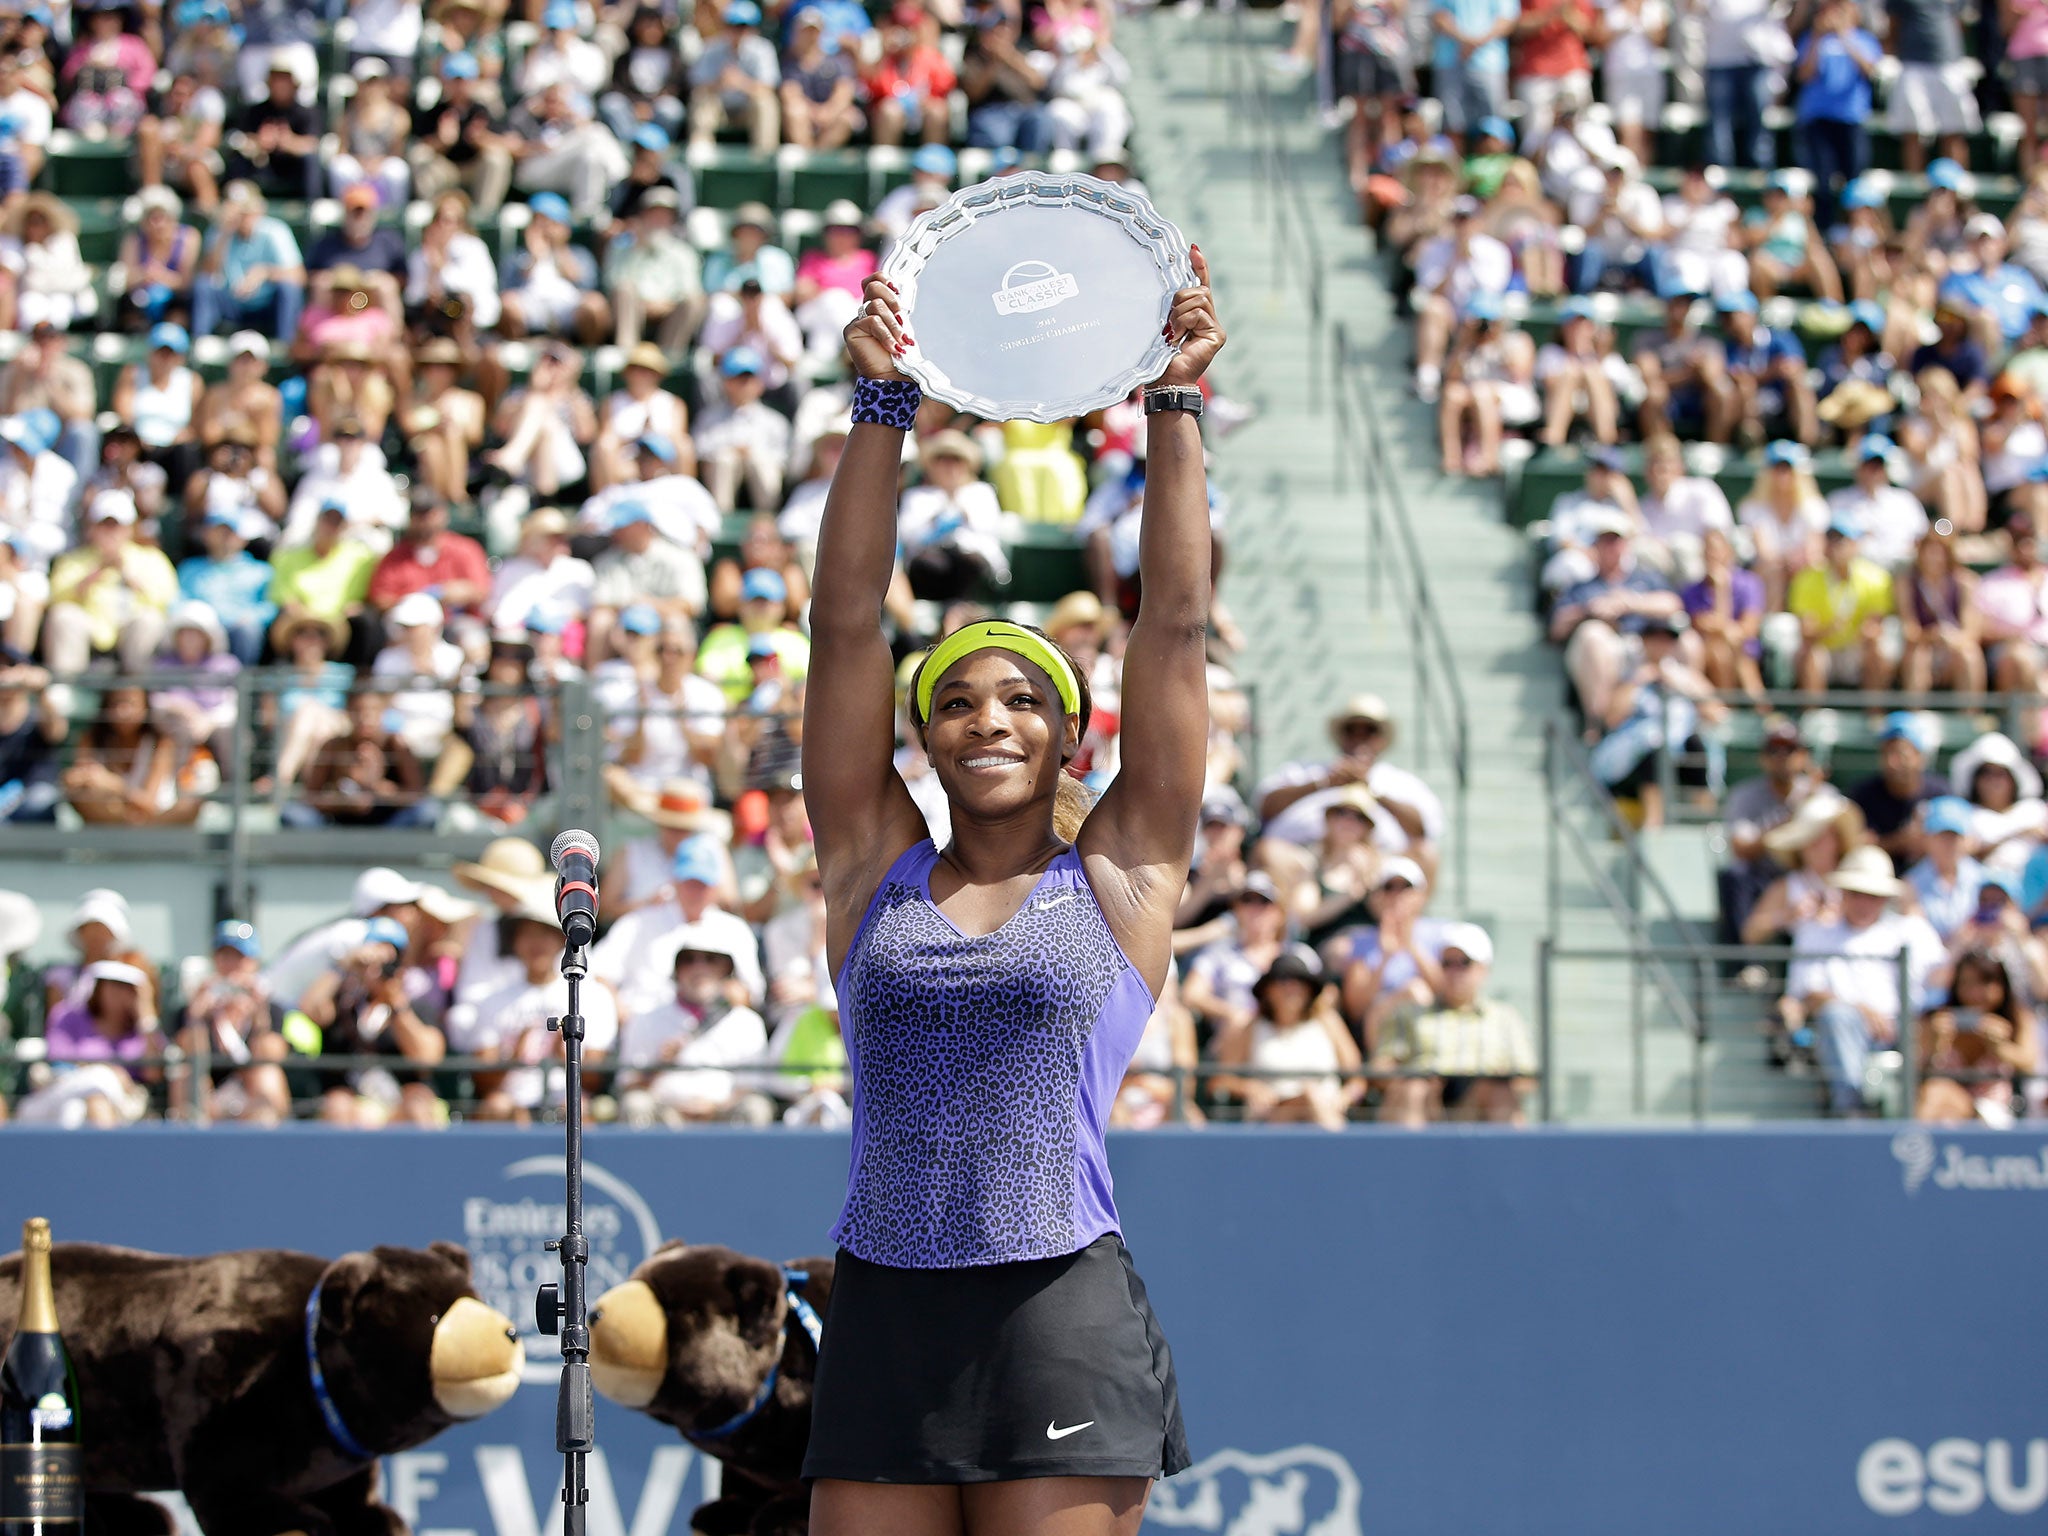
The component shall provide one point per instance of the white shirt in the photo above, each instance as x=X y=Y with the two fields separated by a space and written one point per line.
x=428 y=714
x=638 y=956
x=370 y=494
x=681 y=510
x=310 y=956
x=466 y=269
x=1629 y=49
x=1699 y=227
x=579 y=63
x=523 y=584
x=1728 y=24
x=1635 y=204
x=627 y=418
x=1866 y=983
x=663 y=722
x=1302 y=822
x=763 y=432
x=1893 y=521
x=1773 y=539
x=697 y=1073
x=776 y=337
x=388 y=27
x=1486 y=267
x=36 y=502
x=1692 y=506
x=31 y=115
x=804 y=512
x=514 y=1021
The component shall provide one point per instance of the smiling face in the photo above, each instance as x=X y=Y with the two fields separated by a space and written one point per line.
x=997 y=736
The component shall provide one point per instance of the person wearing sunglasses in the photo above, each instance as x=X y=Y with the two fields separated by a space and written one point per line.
x=1407 y=818
x=1472 y=1055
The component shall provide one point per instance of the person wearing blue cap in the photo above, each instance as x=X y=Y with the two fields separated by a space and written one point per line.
x=1004 y=84
x=1766 y=368
x=764 y=615
x=932 y=170
x=1842 y=605
x=641 y=566
x=637 y=955
x=363 y=1006
x=1890 y=799
x=644 y=104
x=1889 y=519
x=552 y=287
x=1947 y=879
x=736 y=79
x=229 y=1015
x=742 y=439
x=456 y=143
x=563 y=56
x=1997 y=294
x=1686 y=388
x=232 y=582
x=1471 y=60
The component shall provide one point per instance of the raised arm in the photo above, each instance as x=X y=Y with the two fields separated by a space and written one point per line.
x=1139 y=839
x=862 y=814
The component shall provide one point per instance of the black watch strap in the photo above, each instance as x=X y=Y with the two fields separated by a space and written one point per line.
x=1173 y=398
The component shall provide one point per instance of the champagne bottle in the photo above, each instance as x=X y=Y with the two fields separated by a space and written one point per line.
x=42 y=1487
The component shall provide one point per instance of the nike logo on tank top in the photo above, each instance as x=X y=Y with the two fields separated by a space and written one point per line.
x=984 y=1068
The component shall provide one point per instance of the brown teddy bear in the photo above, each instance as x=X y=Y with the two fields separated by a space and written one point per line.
x=723 y=1346
x=264 y=1384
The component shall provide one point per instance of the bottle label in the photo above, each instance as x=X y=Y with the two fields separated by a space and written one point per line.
x=41 y=1483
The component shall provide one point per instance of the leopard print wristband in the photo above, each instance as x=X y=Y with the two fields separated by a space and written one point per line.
x=887 y=402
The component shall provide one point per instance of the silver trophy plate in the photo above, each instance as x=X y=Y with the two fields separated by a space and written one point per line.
x=1036 y=297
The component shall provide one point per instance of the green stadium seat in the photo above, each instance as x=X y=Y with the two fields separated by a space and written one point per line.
x=80 y=167
x=727 y=177
x=816 y=179
x=1553 y=471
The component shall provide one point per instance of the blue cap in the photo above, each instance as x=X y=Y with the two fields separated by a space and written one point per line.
x=1577 y=307
x=761 y=585
x=1945 y=173
x=1863 y=193
x=1496 y=128
x=46 y=425
x=544 y=619
x=1782 y=181
x=166 y=334
x=1905 y=725
x=697 y=859
x=1946 y=813
x=1605 y=456
x=1843 y=526
x=657 y=445
x=238 y=936
x=1868 y=312
x=1739 y=302
x=935 y=160
x=1785 y=451
x=761 y=645
x=549 y=205
x=631 y=512
x=742 y=13
x=460 y=65
x=44 y=15
x=1483 y=306
x=386 y=930
x=1875 y=446
x=559 y=16
x=652 y=136
x=742 y=360
x=2005 y=880
x=1005 y=159
x=222 y=518
x=640 y=619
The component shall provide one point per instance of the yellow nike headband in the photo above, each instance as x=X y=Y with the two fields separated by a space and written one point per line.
x=997 y=635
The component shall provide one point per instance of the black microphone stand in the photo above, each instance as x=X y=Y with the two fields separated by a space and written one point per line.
x=567 y=1308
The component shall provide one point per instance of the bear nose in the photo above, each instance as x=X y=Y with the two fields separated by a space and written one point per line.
x=596 y=1314
x=511 y=1333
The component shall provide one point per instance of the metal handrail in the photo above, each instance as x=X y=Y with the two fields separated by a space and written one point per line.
x=1438 y=693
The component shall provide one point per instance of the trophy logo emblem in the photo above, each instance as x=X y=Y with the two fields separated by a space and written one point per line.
x=1033 y=285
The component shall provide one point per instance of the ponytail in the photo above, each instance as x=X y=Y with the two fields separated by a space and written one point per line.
x=1071 y=802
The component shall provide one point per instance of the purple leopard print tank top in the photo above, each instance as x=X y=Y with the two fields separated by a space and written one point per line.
x=983 y=1073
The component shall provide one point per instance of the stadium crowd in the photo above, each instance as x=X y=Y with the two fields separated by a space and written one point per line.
x=424 y=384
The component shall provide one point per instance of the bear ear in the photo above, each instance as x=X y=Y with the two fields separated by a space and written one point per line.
x=756 y=1289
x=454 y=1253
x=675 y=1243
x=348 y=1277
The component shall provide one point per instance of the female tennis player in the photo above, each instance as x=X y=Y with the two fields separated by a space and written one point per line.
x=991 y=1366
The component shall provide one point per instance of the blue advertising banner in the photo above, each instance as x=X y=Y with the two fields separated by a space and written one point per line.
x=1816 y=1330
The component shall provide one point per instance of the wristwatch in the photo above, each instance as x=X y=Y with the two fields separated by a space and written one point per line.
x=1174 y=398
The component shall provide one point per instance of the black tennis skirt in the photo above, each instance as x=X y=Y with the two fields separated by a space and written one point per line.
x=1046 y=1368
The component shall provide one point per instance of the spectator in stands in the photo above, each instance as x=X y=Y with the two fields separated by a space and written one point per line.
x=125 y=771
x=1471 y=59
x=510 y=1022
x=1934 y=95
x=932 y=170
x=1701 y=242
x=1657 y=712
x=352 y=473
x=1393 y=960
x=1474 y=1053
x=420 y=654
x=1294 y=1031
x=1972 y=1051
x=1842 y=605
x=1086 y=105
x=653 y=274
x=742 y=440
x=499 y=751
x=682 y=1052
x=1580 y=375
x=1891 y=522
x=44 y=376
x=363 y=1008
x=22 y=152
x=1861 y=245
x=1955 y=350
x=232 y=583
x=1551 y=64
x=445 y=422
x=1600 y=620
x=458 y=144
x=650 y=81
x=763 y=616
x=229 y=1018
x=1490 y=381
x=2003 y=791
x=1936 y=601
x=1218 y=983
x=1344 y=865
x=1838 y=60
x=734 y=81
x=2000 y=297
x=1941 y=444
x=36 y=487
x=327 y=577
x=557 y=147
x=32 y=728
x=372 y=251
x=1452 y=270
x=1677 y=512
x=1408 y=817
x=909 y=83
x=2026 y=67
x=160 y=396
x=24 y=591
x=666 y=721
x=364 y=777
x=160 y=258
x=427 y=557
x=1846 y=979
x=545 y=427
x=1686 y=389
x=1750 y=812
x=640 y=567
x=751 y=319
x=101 y=1029
x=107 y=74
x=197 y=715
x=109 y=595
x=541 y=574
x=372 y=138
x=1005 y=86
x=275 y=143
x=949 y=526
x=550 y=284
x=177 y=143
x=1946 y=881
x=47 y=279
x=749 y=254
x=313 y=703
x=251 y=275
x=1890 y=799
x=1786 y=519
x=635 y=954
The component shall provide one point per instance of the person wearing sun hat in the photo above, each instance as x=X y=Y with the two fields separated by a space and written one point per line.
x=735 y=80
x=1845 y=981
x=640 y=872
x=1408 y=819
x=642 y=404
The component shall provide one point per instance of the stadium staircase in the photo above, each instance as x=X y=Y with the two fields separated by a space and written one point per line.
x=1221 y=138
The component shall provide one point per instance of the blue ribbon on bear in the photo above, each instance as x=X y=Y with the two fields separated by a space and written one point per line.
x=337 y=1427
x=793 y=1281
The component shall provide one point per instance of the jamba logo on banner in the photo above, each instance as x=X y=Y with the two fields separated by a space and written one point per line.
x=1305 y=1490
x=508 y=1238
x=1954 y=1477
x=1923 y=1160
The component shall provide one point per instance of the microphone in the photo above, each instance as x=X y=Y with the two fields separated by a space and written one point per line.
x=575 y=859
